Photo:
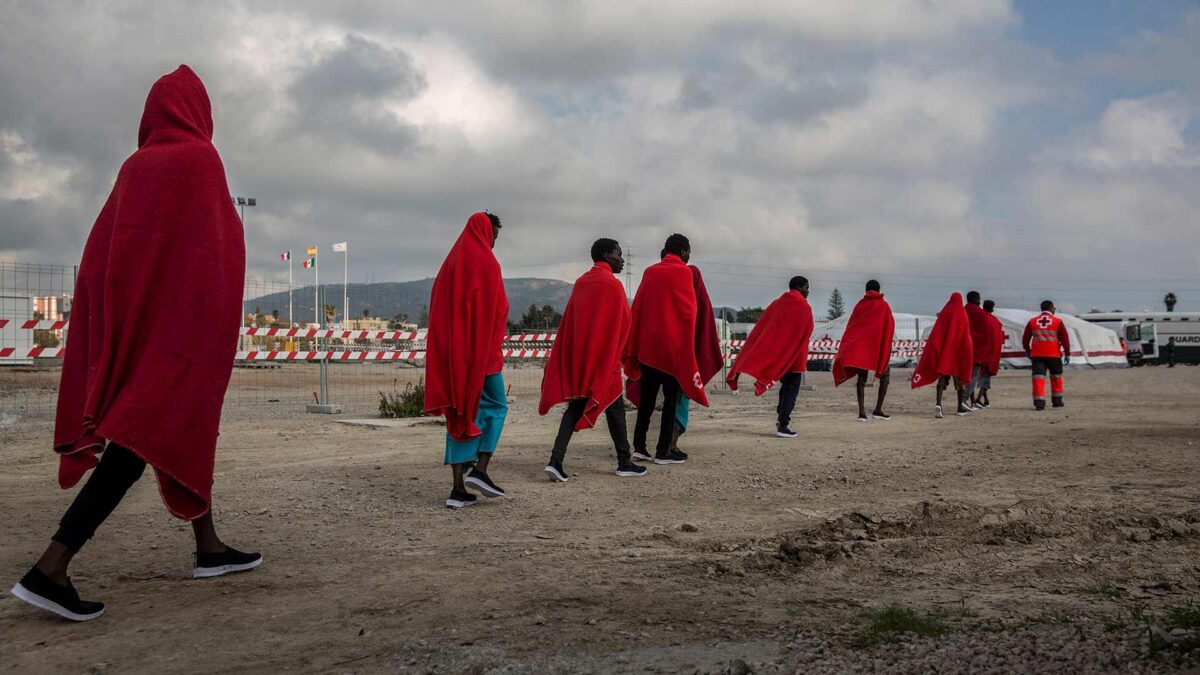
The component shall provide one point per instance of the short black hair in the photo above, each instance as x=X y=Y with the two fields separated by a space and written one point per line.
x=677 y=244
x=1047 y=305
x=989 y=305
x=797 y=283
x=873 y=285
x=973 y=297
x=602 y=247
x=494 y=218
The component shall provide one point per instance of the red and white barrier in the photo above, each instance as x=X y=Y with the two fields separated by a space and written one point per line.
x=35 y=353
x=37 y=325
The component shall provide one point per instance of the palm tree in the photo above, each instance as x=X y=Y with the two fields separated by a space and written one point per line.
x=1169 y=300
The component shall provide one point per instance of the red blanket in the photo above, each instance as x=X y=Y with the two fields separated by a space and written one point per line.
x=663 y=335
x=585 y=361
x=468 y=310
x=709 y=358
x=867 y=341
x=997 y=329
x=981 y=335
x=777 y=345
x=948 y=349
x=165 y=258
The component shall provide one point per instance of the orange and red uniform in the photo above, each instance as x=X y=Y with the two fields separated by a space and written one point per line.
x=1046 y=341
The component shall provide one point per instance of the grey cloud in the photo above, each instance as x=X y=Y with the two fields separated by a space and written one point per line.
x=344 y=93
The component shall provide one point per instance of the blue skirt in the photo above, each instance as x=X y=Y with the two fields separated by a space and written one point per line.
x=493 y=409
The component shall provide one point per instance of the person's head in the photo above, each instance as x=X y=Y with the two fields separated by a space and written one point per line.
x=608 y=251
x=973 y=297
x=495 y=227
x=1048 y=306
x=799 y=284
x=989 y=306
x=873 y=285
x=679 y=245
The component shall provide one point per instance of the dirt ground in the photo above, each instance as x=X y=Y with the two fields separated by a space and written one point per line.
x=1004 y=520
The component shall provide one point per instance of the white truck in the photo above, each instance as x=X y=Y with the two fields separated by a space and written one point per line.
x=1146 y=334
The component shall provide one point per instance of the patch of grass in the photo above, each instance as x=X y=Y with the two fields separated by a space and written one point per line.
x=1113 y=623
x=1103 y=590
x=409 y=402
x=893 y=620
x=1183 y=616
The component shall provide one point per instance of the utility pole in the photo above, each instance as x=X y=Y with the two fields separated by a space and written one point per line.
x=629 y=274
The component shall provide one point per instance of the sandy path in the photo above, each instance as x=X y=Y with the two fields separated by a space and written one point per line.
x=1006 y=514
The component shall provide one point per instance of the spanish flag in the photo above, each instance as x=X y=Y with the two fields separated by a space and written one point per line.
x=312 y=250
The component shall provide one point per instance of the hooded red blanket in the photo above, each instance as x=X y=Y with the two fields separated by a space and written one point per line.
x=981 y=335
x=165 y=257
x=663 y=334
x=867 y=341
x=997 y=330
x=948 y=349
x=585 y=361
x=777 y=345
x=468 y=309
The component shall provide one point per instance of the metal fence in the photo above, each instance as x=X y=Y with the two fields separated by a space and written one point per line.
x=28 y=386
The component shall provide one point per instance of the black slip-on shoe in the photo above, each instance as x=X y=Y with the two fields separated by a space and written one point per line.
x=481 y=482
x=38 y=590
x=630 y=469
x=226 y=562
x=458 y=500
x=555 y=471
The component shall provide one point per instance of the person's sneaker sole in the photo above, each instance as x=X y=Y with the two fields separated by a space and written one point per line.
x=458 y=504
x=667 y=461
x=641 y=457
x=937 y=412
x=862 y=419
x=484 y=487
x=783 y=435
x=962 y=413
x=209 y=572
x=625 y=474
x=554 y=474
x=880 y=417
x=38 y=601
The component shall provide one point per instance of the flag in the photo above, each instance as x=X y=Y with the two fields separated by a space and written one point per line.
x=285 y=256
x=312 y=250
x=311 y=262
x=339 y=248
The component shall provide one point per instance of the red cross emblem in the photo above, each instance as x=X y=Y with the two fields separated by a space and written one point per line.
x=1043 y=321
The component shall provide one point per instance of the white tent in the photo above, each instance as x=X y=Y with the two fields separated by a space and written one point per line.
x=908 y=327
x=1091 y=345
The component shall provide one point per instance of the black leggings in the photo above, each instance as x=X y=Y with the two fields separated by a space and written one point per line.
x=614 y=414
x=117 y=471
x=652 y=381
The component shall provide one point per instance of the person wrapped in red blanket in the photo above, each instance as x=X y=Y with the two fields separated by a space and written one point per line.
x=947 y=355
x=167 y=247
x=981 y=342
x=996 y=338
x=866 y=345
x=777 y=351
x=584 y=368
x=468 y=311
x=661 y=351
x=709 y=357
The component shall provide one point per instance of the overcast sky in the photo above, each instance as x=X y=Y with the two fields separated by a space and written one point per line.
x=1023 y=150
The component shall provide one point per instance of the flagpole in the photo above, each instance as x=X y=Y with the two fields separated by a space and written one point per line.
x=317 y=286
x=290 y=318
x=346 y=288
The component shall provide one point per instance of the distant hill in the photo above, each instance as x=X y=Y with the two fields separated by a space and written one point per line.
x=390 y=298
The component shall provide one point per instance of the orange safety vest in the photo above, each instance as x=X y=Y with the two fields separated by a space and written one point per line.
x=1044 y=336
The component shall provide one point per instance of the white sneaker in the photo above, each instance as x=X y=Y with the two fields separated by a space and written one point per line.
x=937 y=411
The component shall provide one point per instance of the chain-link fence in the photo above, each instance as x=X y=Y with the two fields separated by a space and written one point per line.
x=43 y=293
